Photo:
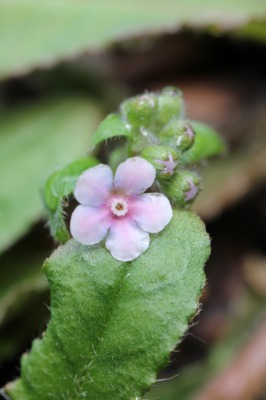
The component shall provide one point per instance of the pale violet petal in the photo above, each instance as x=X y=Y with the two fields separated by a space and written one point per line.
x=134 y=176
x=126 y=240
x=94 y=185
x=151 y=211
x=89 y=225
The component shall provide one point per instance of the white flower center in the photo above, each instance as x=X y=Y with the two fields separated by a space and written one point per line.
x=119 y=207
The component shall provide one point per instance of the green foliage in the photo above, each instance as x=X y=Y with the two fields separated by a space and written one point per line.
x=207 y=143
x=33 y=141
x=58 y=186
x=112 y=126
x=113 y=324
x=82 y=25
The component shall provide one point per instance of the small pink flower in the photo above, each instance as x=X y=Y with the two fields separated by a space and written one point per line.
x=118 y=208
x=192 y=192
x=169 y=165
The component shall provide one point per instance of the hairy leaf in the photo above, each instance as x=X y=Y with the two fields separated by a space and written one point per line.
x=59 y=185
x=41 y=33
x=114 y=324
x=112 y=126
x=207 y=144
x=34 y=141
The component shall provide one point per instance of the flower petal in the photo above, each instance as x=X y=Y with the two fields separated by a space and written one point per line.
x=89 y=225
x=152 y=211
x=126 y=240
x=94 y=185
x=134 y=176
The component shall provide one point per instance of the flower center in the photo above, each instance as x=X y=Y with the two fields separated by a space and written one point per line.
x=119 y=207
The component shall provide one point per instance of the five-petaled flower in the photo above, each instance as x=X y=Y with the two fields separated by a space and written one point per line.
x=118 y=208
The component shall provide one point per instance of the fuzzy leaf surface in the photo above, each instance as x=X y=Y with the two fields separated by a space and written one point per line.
x=112 y=126
x=34 y=140
x=58 y=186
x=208 y=143
x=114 y=324
x=39 y=34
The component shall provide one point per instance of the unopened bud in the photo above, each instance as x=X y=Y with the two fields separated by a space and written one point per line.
x=170 y=104
x=183 y=188
x=179 y=134
x=140 y=111
x=164 y=159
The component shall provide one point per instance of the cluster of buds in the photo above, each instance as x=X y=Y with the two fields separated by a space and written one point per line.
x=157 y=151
x=160 y=135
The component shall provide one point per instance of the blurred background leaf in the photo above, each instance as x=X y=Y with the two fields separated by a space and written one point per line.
x=189 y=382
x=34 y=141
x=228 y=180
x=208 y=143
x=59 y=30
x=24 y=296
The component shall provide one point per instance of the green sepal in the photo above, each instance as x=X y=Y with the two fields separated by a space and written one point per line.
x=112 y=126
x=207 y=143
x=114 y=324
x=57 y=187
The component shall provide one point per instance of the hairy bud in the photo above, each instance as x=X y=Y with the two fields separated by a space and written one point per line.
x=140 y=111
x=170 y=104
x=179 y=134
x=183 y=188
x=164 y=159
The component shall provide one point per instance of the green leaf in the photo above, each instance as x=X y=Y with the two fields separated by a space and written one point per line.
x=207 y=143
x=41 y=33
x=114 y=324
x=34 y=140
x=112 y=126
x=58 y=186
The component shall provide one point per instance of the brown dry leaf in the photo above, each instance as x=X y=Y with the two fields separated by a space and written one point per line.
x=227 y=180
x=244 y=378
x=255 y=273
